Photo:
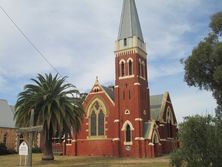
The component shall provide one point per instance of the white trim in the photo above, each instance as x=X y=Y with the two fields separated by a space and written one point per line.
x=139 y=138
x=151 y=144
x=93 y=93
x=127 y=112
x=137 y=83
x=138 y=119
x=116 y=121
x=127 y=77
x=124 y=125
x=96 y=89
x=162 y=125
x=142 y=77
x=163 y=140
x=128 y=143
x=117 y=86
x=116 y=139
x=155 y=135
x=129 y=60
x=122 y=61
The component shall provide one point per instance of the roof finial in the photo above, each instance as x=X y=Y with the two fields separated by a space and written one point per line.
x=97 y=78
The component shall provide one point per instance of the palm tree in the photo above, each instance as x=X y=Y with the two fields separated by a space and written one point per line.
x=56 y=105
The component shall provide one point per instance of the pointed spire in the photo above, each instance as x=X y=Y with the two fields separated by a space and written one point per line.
x=129 y=24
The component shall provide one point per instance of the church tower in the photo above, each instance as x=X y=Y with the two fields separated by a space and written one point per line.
x=131 y=84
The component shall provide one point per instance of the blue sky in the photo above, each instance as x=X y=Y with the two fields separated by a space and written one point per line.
x=77 y=37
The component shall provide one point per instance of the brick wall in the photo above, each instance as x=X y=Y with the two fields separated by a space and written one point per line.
x=8 y=136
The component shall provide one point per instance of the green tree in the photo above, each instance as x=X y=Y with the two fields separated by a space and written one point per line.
x=56 y=108
x=201 y=144
x=203 y=68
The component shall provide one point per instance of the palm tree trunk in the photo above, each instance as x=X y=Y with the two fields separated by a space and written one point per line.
x=64 y=144
x=47 y=151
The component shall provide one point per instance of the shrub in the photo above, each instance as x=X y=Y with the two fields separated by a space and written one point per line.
x=3 y=149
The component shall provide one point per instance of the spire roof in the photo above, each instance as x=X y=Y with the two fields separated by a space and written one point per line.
x=129 y=24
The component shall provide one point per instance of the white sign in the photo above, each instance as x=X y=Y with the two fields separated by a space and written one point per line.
x=23 y=149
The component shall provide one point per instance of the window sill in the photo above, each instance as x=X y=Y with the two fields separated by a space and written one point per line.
x=126 y=77
x=96 y=137
x=128 y=143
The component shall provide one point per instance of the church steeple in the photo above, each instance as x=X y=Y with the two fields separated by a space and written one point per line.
x=129 y=24
x=131 y=85
x=130 y=35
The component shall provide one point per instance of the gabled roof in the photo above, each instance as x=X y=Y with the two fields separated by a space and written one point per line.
x=148 y=129
x=129 y=24
x=97 y=88
x=6 y=115
x=159 y=105
x=109 y=92
x=155 y=106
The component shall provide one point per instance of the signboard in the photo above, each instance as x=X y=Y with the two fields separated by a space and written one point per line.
x=23 y=149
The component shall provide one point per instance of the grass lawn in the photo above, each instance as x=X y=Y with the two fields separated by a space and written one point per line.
x=64 y=161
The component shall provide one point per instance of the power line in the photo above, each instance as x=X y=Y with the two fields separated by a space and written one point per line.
x=29 y=41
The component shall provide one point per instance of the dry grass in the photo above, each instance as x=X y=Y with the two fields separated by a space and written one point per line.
x=63 y=161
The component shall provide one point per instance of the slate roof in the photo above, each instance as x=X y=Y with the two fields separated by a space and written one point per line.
x=6 y=115
x=109 y=92
x=129 y=24
x=155 y=107
x=148 y=129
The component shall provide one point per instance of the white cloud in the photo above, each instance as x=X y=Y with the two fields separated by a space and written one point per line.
x=77 y=37
x=156 y=71
x=191 y=102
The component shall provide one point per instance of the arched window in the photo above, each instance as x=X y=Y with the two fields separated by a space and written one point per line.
x=144 y=70
x=127 y=128
x=96 y=116
x=93 y=123
x=140 y=68
x=122 y=69
x=101 y=123
x=130 y=65
x=169 y=120
x=128 y=133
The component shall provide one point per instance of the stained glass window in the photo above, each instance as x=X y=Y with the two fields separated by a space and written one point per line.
x=122 y=69
x=101 y=123
x=130 y=68
x=93 y=124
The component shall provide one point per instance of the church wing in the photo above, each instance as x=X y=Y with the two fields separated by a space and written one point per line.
x=161 y=108
x=98 y=106
x=100 y=91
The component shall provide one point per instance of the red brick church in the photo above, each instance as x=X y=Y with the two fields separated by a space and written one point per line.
x=124 y=120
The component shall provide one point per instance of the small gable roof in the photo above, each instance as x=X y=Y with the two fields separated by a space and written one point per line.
x=6 y=115
x=159 y=105
x=148 y=129
x=155 y=107
x=97 y=87
x=109 y=91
